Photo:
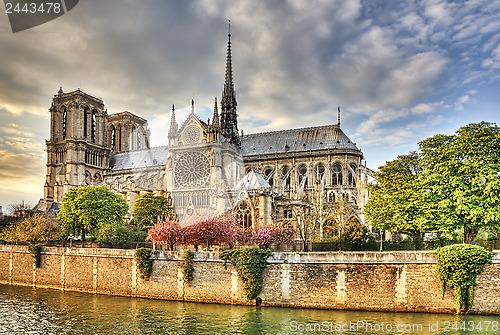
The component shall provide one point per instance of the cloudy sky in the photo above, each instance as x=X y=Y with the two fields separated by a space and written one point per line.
x=400 y=70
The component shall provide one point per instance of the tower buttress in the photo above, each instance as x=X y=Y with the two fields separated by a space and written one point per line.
x=77 y=152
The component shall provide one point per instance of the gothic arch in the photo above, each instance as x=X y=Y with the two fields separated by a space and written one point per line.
x=351 y=181
x=64 y=123
x=285 y=172
x=303 y=175
x=336 y=174
x=320 y=172
x=244 y=212
x=112 y=132
x=93 y=126
x=88 y=178
x=269 y=175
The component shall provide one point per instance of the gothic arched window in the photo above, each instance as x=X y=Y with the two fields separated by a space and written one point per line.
x=269 y=175
x=303 y=175
x=92 y=129
x=113 y=138
x=139 y=133
x=320 y=172
x=244 y=212
x=351 y=181
x=65 y=123
x=88 y=178
x=119 y=139
x=85 y=122
x=285 y=177
x=336 y=174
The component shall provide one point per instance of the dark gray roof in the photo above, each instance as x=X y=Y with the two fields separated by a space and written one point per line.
x=282 y=141
x=296 y=140
x=137 y=159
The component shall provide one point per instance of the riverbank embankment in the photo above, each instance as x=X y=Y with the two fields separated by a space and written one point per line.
x=379 y=281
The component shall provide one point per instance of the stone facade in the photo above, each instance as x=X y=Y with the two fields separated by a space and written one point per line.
x=387 y=281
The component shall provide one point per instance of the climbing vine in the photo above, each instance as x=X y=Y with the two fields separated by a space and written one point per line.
x=36 y=251
x=249 y=264
x=457 y=267
x=144 y=262
x=187 y=266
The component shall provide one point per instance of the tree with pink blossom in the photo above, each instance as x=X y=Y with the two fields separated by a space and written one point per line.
x=166 y=230
x=274 y=233
x=210 y=229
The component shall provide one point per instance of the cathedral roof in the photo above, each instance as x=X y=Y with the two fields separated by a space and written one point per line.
x=296 y=140
x=137 y=159
x=273 y=142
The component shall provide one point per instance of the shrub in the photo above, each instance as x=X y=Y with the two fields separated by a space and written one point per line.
x=249 y=264
x=354 y=236
x=36 y=251
x=457 y=267
x=187 y=266
x=144 y=262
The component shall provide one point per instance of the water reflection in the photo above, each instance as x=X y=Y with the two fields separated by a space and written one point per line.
x=26 y=310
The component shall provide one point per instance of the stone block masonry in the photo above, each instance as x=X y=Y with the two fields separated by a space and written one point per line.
x=377 y=281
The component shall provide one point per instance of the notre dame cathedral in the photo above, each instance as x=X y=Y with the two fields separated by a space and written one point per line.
x=206 y=166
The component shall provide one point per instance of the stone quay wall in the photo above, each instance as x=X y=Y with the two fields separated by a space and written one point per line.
x=377 y=281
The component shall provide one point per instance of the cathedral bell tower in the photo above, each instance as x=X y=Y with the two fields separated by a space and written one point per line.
x=77 y=152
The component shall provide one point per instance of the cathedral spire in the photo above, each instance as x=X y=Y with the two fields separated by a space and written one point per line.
x=228 y=118
x=173 y=124
x=215 y=119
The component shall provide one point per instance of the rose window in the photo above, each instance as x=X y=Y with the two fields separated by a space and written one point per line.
x=192 y=169
x=192 y=135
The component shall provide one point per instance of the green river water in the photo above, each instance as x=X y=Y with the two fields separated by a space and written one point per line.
x=25 y=310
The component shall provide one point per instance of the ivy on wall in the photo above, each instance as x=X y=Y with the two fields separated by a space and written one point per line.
x=458 y=266
x=36 y=251
x=144 y=262
x=249 y=264
x=187 y=266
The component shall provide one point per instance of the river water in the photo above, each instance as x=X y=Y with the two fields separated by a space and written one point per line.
x=25 y=310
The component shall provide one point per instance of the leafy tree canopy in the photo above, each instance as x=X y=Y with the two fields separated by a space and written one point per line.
x=462 y=177
x=148 y=207
x=397 y=202
x=452 y=183
x=87 y=209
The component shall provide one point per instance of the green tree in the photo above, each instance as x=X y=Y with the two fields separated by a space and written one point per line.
x=452 y=183
x=117 y=233
x=87 y=209
x=355 y=235
x=462 y=178
x=148 y=207
x=397 y=202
